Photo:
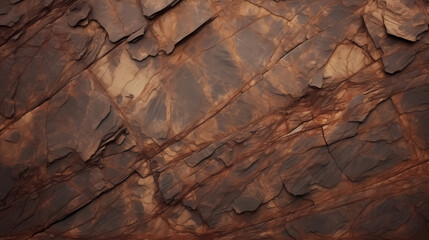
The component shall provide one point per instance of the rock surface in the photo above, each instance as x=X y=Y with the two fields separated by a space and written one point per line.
x=217 y=119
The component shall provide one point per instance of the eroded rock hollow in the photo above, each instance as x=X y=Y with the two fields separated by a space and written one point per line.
x=214 y=119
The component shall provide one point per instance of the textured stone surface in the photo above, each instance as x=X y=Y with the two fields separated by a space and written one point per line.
x=217 y=119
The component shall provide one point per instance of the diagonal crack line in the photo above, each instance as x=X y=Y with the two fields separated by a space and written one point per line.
x=55 y=91
x=106 y=191
x=227 y=102
x=339 y=205
x=330 y=153
x=196 y=31
x=134 y=134
x=56 y=11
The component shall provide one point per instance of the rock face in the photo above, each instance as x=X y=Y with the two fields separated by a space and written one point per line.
x=214 y=119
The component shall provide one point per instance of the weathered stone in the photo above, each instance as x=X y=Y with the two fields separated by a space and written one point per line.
x=221 y=119
x=385 y=216
x=170 y=185
x=246 y=204
x=404 y=19
x=326 y=224
x=119 y=18
x=150 y=8
x=189 y=15
x=143 y=48
x=82 y=109
x=78 y=12
x=398 y=60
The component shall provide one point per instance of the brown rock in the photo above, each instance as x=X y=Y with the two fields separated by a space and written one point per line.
x=220 y=119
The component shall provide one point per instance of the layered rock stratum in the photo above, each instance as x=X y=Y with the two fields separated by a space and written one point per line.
x=214 y=119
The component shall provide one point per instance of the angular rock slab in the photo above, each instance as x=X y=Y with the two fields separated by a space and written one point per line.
x=216 y=119
x=118 y=18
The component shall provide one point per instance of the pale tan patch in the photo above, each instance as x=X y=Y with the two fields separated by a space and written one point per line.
x=126 y=79
x=346 y=61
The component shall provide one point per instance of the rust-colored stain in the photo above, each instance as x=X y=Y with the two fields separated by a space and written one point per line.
x=214 y=119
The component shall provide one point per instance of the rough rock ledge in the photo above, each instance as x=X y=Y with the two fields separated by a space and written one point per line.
x=214 y=119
